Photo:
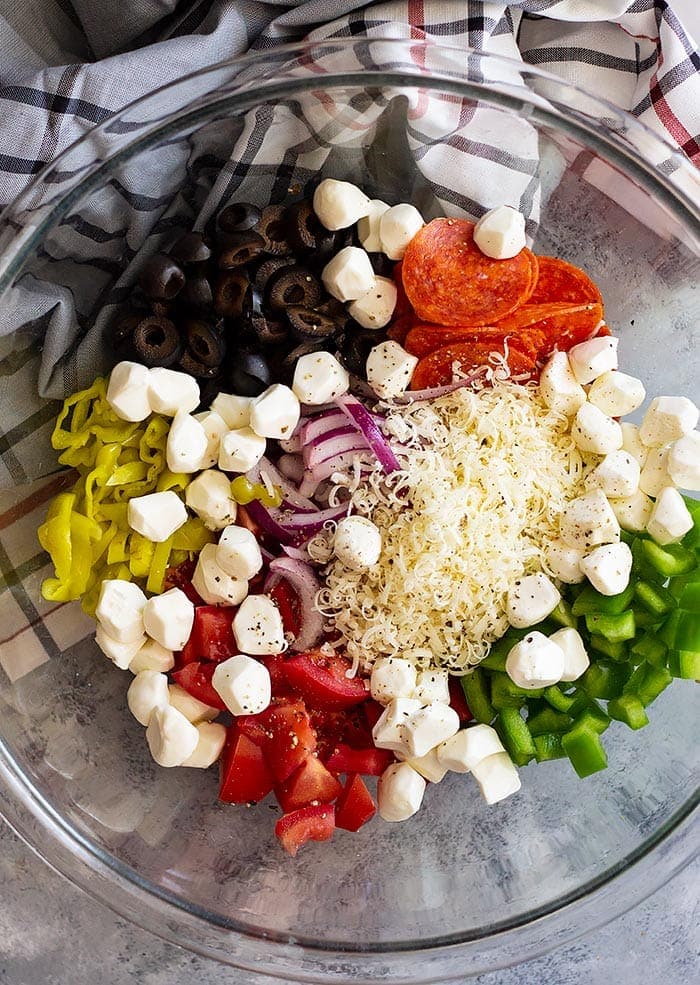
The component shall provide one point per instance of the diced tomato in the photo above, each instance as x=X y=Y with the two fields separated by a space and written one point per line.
x=213 y=628
x=368 y=762
x=278 y=678
x=284 y=733
x=287 y=601
x=373 y=712
x=307 y=824
x=181 y=577
x=189 y=652
x=309 y=783
x=458 y=702
x=322 y=679
x=245 y=778
x=355 y=806
x=195 y=678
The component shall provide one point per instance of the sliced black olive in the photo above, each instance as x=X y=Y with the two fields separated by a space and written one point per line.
x=161 y=277
x=269 y=331
x=249 y=375
x=336 y=310
x=355 y=348
x=274 y=228
x=268 y=268
x=161 y=309
x=232 y=288
x=237 y=217
x=156 y=342
x=197 y=292
x=190 y=364
x=308 y=324
x=305 y=229
x=191 y=248
x=240 y=248
x=204 y=342
x=290 y=360
x=122 y=332
x=293 y=285
x=381 y=264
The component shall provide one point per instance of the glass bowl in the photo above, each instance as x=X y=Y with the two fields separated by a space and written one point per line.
x=462 y=887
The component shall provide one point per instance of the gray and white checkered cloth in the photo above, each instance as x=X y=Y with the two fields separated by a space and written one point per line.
x=66 y=65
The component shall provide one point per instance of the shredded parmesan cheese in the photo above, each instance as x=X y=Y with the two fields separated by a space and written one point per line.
x=485 y=475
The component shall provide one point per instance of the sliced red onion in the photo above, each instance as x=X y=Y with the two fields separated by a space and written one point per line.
x=291 y=466
x=333 y=447
x=289 y=491
x=310 y=525
x=296 y=553
x=416 y=396
x=270 y=524
x=358 y=414
x=311 y=410
x=317 y=427
x=344 y=460
x=302 y=578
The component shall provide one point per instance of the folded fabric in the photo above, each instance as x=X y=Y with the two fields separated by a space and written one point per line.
x=57 y=313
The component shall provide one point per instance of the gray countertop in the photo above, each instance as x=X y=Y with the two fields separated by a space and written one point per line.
x=53 y=934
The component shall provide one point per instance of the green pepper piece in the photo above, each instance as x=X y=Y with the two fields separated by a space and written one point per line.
x=496 y=659
x=667 y=631
x=592 y=717
x=549 y=720
x=641 y=568
x=615 y=651
x=671 y=560
x=591 y=602
x=548 y=746
x=689 y=599
x=516 y=736
x=475 y=687
x=562 y=615
x=585 y=750
x=687 y=635
x=629 y=709
x=650 y=649
x=657 y=600
x=614 y=628
x=647 y=682
x=506 y=694
x=685 y=664
x=643 y=619
x=557 y=699
x=604 y=680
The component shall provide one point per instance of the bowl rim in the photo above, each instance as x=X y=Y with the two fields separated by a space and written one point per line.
x=34 y=817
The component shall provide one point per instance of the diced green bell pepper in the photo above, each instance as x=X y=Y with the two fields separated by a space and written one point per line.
x=548 y=746
x=671 y=560
x=615 y=651
x=650 y=649
x=647 y=683
x=506 y=694
x=592 y=717
x=685 y=664
x=655 y=599
x=549 y=720
x=689 y=599
x=629 y=709
x=562 y=615
x=585 y=750
x=555 y=697
x=590 y=602
x=614 y=628
x=476 y=691
x=604 y=680
x=687 y=635
x=516 y=736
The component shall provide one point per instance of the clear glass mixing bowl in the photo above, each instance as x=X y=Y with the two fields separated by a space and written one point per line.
x=462 y=887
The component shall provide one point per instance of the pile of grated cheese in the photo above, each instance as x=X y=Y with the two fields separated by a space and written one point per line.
x=485 y=475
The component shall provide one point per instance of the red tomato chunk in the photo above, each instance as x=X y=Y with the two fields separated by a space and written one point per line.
x=245 y=778
x=368 y=762
x=322 y=679
x=212 y=632
x=284 y=733
x=195 y=678
x=355 y=806
x=310 y=784
x=307 y=824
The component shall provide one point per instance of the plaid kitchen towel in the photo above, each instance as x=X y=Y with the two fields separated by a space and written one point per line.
x=66 y=66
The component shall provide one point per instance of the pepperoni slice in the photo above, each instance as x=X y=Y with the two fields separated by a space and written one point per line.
x=557 y=324
x=449 y=281
x=436 y=369
x=424 y=339
x=558 y=280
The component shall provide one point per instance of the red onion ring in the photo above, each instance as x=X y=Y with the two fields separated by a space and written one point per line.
x=302 y=578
